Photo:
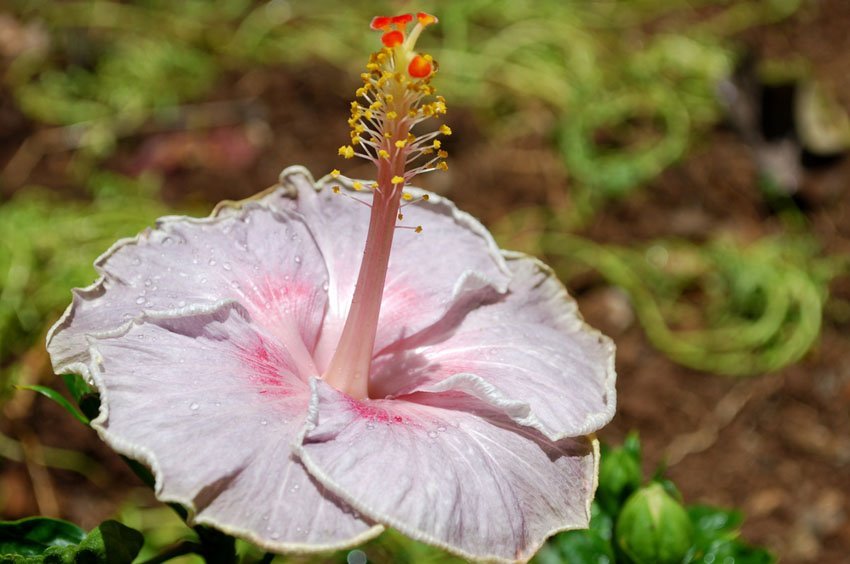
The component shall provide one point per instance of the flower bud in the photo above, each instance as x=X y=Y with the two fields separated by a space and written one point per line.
x=654 y=528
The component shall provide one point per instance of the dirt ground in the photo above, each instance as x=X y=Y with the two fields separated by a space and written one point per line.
x=777 y=446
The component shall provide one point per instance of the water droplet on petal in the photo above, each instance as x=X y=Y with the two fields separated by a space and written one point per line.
x=140 y=300
x=432 y=434
x=297 y=259
x=226 y=266
x=264 y=422
x=167 y=241
x=148 y=282
x=194 y=406
x=275 y=536
x=181 y=303
x=370 y=425
x=203 y=280
x=137 y=261
x=441 y=429
x=325 y=286
x=212 y=262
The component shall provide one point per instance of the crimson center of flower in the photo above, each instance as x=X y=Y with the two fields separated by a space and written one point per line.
x=396 y=96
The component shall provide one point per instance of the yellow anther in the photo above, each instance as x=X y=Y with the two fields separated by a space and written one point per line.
x=357 y=185
x=346 y=151
x=360 y=92
x=427 y=151
x=437 y=143
x=400 y=143
x=335 y=173
x=367 y=114
x=442 y=165
x=426 y=197
x=406 y=196
x=374 y=186
x=418 y=229
x=387 y=134
x=335 y=189
x=398 y=180
x=373 y=66
x=389 y=98
x=365 y=76
x=445 y=129
x=392 y=115
x=442 y=154
x=376 y=105
x=400 y=216
x=383 y=154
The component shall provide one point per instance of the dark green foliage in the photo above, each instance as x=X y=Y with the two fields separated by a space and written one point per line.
x=51 y=541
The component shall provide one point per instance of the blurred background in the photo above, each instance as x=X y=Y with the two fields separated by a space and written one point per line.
x=681 y=163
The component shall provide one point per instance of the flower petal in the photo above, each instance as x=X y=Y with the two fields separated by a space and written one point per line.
x=263 y=258
x=422 y=276
x=528 y=353
x=210 y=404
x=473 y=483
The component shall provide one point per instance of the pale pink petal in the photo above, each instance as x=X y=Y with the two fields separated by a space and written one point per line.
x=264 y=259
x=212 y=406
x=527 y=352
x=453 y=257
x=473 y=483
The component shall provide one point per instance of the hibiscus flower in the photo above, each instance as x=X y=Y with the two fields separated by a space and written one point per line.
x=306 y=367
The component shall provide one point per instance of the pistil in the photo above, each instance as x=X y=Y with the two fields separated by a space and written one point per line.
x=396 y=96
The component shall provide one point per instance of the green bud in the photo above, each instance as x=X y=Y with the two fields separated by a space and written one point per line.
x=654 y=528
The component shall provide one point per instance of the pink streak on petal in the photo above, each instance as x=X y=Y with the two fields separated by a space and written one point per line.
x=473 y=483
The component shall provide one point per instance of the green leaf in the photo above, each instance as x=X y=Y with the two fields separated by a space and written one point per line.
x=619 y=476
x=49 y=541
x=58 y=398
x=711 y=521
x=110 y=543
x=591 y=546
x=34 y=535
x=77 y=385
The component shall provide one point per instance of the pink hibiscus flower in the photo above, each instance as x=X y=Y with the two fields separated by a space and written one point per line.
x=300 y=372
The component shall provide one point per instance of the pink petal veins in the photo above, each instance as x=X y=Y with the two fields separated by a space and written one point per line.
x=470 y=482
x=526 y=351
x=265 y=259
x=183 y=395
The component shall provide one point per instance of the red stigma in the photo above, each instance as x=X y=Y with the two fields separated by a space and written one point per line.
x=426 y=19
x=392 y=38
x=380 y=23
x=402 y=20
x=419 y=67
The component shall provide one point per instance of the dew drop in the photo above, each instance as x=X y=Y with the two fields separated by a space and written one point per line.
x=212 y=262
x=370 y=425
x=140 y=300
x=275 y=536
x=203 y=280
x=325 y=286
x=194 y=406
x=294 y=488
x=234 y=284
x=297 y=259
x=137 y=261
x=167 y=241
x=148 y=282
x=441 y=429
x=128 y=316
x=226 y=266
x=264 y=422
x=432 y=434
x=181 y=303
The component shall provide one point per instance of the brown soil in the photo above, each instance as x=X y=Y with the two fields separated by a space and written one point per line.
x=777 y=446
